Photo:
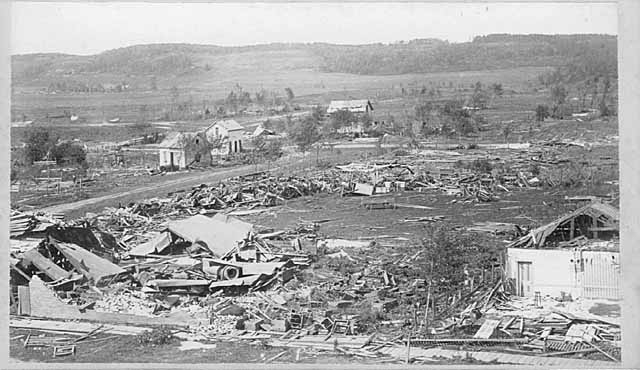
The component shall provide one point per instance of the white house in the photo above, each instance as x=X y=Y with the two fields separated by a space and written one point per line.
x=353 y=106
x=577 y=254
x=179 y=150
x=228 y=133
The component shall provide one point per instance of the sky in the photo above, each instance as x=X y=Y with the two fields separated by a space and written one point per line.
x=88 y=28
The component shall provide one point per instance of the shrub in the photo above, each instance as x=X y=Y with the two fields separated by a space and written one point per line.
x=535 y=169
x=156 y=337
x=68 y=152
x=481 y=165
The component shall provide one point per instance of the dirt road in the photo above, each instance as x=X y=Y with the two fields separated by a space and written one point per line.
x=79 y=208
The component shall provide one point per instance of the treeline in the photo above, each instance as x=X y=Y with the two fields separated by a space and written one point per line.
x=137 y=59
x=126 y=61
x=416 y=56
x=69 y=85
x=484 y=52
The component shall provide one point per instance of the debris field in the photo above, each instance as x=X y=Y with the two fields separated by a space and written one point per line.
x=246 y=261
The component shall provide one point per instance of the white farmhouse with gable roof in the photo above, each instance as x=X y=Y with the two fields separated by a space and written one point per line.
x=228 y=133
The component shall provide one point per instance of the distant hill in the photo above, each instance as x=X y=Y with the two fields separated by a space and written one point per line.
x=176 y=61
x=484 y=52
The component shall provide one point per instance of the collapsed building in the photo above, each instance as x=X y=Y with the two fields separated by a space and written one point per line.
x=577 y=254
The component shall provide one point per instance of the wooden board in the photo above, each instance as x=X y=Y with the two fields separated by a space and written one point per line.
x=75 y=328
x=42 y=263
x=487 y=329
x=91 y=266
x=24 y=300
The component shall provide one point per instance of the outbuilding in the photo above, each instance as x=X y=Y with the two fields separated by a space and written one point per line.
x=179 y=150
x=577 y=254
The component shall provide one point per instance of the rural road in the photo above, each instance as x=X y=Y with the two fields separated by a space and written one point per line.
x=79 y=208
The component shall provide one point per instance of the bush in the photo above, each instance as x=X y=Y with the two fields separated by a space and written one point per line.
x=68 y=152
x=156 y=337
x=535 y=169
x=481 y=165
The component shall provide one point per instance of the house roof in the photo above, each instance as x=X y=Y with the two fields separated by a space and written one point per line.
x=537 y=237
x=261 y=130
x=228 y=124
x=175 y=140
x=352 y=105
x=219 y=233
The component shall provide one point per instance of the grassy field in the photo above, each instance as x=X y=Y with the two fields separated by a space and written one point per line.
x=310 y=86
x=384 y=91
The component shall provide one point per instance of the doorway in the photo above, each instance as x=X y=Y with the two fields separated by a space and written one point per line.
x=524 y=279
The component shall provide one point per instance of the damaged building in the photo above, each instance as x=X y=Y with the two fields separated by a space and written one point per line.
x=578 y=254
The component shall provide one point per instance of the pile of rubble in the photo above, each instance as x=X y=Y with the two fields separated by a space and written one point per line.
x=188 y=263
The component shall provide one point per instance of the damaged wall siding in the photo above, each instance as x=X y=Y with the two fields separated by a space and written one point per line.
x=587 y=274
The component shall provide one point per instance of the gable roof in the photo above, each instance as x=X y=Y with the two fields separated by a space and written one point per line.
x=536 y=237
x=229 y=125
x=351 y=105
x=178 y=140
x=261 y=130
x=173 y=140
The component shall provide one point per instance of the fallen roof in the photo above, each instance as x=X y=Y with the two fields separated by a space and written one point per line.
x=261 y=130
x=537 y=237
x=219 y=233
x=155 y=245
x=88 y=264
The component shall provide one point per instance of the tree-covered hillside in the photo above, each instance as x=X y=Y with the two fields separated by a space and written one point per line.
x=577 y=55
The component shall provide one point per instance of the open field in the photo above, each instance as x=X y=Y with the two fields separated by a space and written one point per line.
x=96 y=107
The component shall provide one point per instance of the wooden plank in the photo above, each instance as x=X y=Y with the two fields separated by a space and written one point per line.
x=551 y=354
x=91 y=266
x=24 y=300
x=75 y=328
x=42 y=263
x=603 y=352
x=509 y=322
x=487 y=329
x=174 y=283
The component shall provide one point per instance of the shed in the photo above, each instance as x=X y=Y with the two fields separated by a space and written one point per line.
x=576 y=254
x=179 y=150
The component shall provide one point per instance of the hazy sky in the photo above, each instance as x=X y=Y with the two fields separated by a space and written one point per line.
x=87 y=28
